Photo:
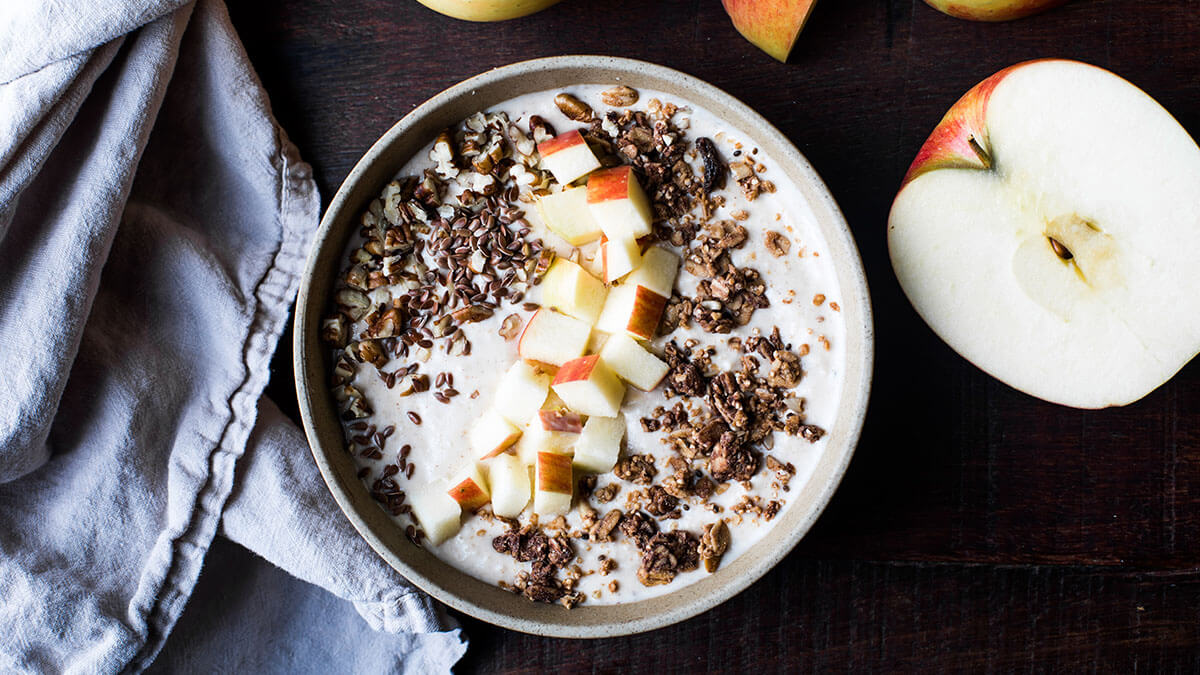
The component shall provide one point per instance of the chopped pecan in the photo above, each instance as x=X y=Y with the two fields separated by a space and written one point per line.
x=713 y=544
x=731 y=459
x=777 y=243
x=603 y=529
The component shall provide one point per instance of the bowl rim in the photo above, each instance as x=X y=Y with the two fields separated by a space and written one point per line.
x=855 y=394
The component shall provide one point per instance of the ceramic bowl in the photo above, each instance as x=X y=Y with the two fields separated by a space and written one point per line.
x=319 y=412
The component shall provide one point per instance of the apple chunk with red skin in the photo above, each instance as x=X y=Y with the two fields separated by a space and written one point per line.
x=550 y=430
x=521 y=391
x=436 y=512
x=632 y=362
x=570 y=289
x=619 y=257
x=470 y=489
x=568 y=156
x=599 y=445
x=993 y=10
x=589 y=387
x=492 y=434
x=770 y=25
x=633 y=309
x=618 y=203
x=1048 y=231
x=552 y=493
x=567 y=214
x=552 y=337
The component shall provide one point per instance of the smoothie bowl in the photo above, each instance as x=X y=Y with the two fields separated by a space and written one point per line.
x=583 y=347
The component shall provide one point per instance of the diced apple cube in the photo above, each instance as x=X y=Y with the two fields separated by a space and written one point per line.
x=567 y=214
x=509 y=480
x=568 y=157
x=521 y=391
x=589 y=387
x=632 y=362
x=657 y=271
x=552 y=496
x=436 y=512
x=552 y=337
x=618 y=203
x=619 y=256
x=492 y=434
x=470 y=489
x=549 y=431
x=600 y=444
x=569 y=288
x=632 y=309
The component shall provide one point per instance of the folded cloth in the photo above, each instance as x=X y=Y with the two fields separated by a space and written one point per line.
x=153 y=222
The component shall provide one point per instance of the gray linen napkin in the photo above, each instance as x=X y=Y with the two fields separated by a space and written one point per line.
x=153 y=222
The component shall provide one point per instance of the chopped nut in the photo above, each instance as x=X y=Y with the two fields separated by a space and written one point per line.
x=573 y=108
x=777 y=243
x=620 y=96
x=713 y=544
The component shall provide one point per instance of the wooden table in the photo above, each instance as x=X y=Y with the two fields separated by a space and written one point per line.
x=977 y=528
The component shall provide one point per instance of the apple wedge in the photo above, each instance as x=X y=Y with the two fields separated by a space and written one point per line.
x=509 y=479
x=657 y=271
x=470 y=489
x=1049 y=231
x=567 y=214
x=552 y=493
x=521 y=391
x=549 y=431
x=569 y=288
x=770 y=25
x=632 y=309
x=632 y=363
x=993 y=10
x=618 y=203
x=589 y=387
x=436 y=512
x=552 y=337
x=599 y=445
x=491 y=434
x=568 y=157
x=619 y=257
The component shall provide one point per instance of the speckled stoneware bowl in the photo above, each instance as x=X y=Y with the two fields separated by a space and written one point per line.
x=486 y=601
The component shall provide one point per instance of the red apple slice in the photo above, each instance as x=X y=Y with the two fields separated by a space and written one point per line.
x=618 y=202
x=772 y=26
x=470 y=489
x=568 y=157
x=552 y=496
x=657 y=271
x=566 y=214
x=588 y=386
x=632 y=309
x=632 y=363
x=619 y=256
x=509 y=480
x=492 y=435
x=554 y=429
x=599 y=445
x=553 y=338
x=568 y=288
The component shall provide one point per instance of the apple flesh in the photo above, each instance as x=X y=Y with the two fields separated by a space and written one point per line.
x=509 y=478
x=486 y=10
x=993 y=10
x=1049 y=230
x=492 y=434
x=632 y=309
x=436 y=512
x=770 y=25
x=521 y=391
x=619 y=256
x=657 y=271
x=632 y=363
x=569 y=288
x=553 y=338
x=549 y=431
x=470 y=489
x=599 y=445
x=552 y=496
x=568 y=157
x=589 y=387
x=566 y=214
x=618 y=203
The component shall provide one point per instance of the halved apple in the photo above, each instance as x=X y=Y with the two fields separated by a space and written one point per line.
x=566 y=214
x=618 y=202
x=619 y=257
x=552 y=337
x=492 y=434
x=632 y=363
x=993 y=10
x=552 y=496
x=521 y=391
x=771 y=25
x=436 y=512
x=569 y=288
x=589 y=387
x=470 y=489
x=599 y=445
x=511 y=490
x=657 y=271
x=568 y=157
x=633 y=309
x=1049 y=231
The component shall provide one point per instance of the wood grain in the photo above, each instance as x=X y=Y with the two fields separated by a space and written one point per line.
x=977 y=528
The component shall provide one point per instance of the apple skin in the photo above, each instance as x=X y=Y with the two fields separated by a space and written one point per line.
x=576 y=369
x=567 y=139
x=469 y=495
x=770 y=25
x=993 y=10
x=561 y=420
x=487 y=10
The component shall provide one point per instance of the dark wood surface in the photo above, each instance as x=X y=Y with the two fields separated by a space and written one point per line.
x=977 y=528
